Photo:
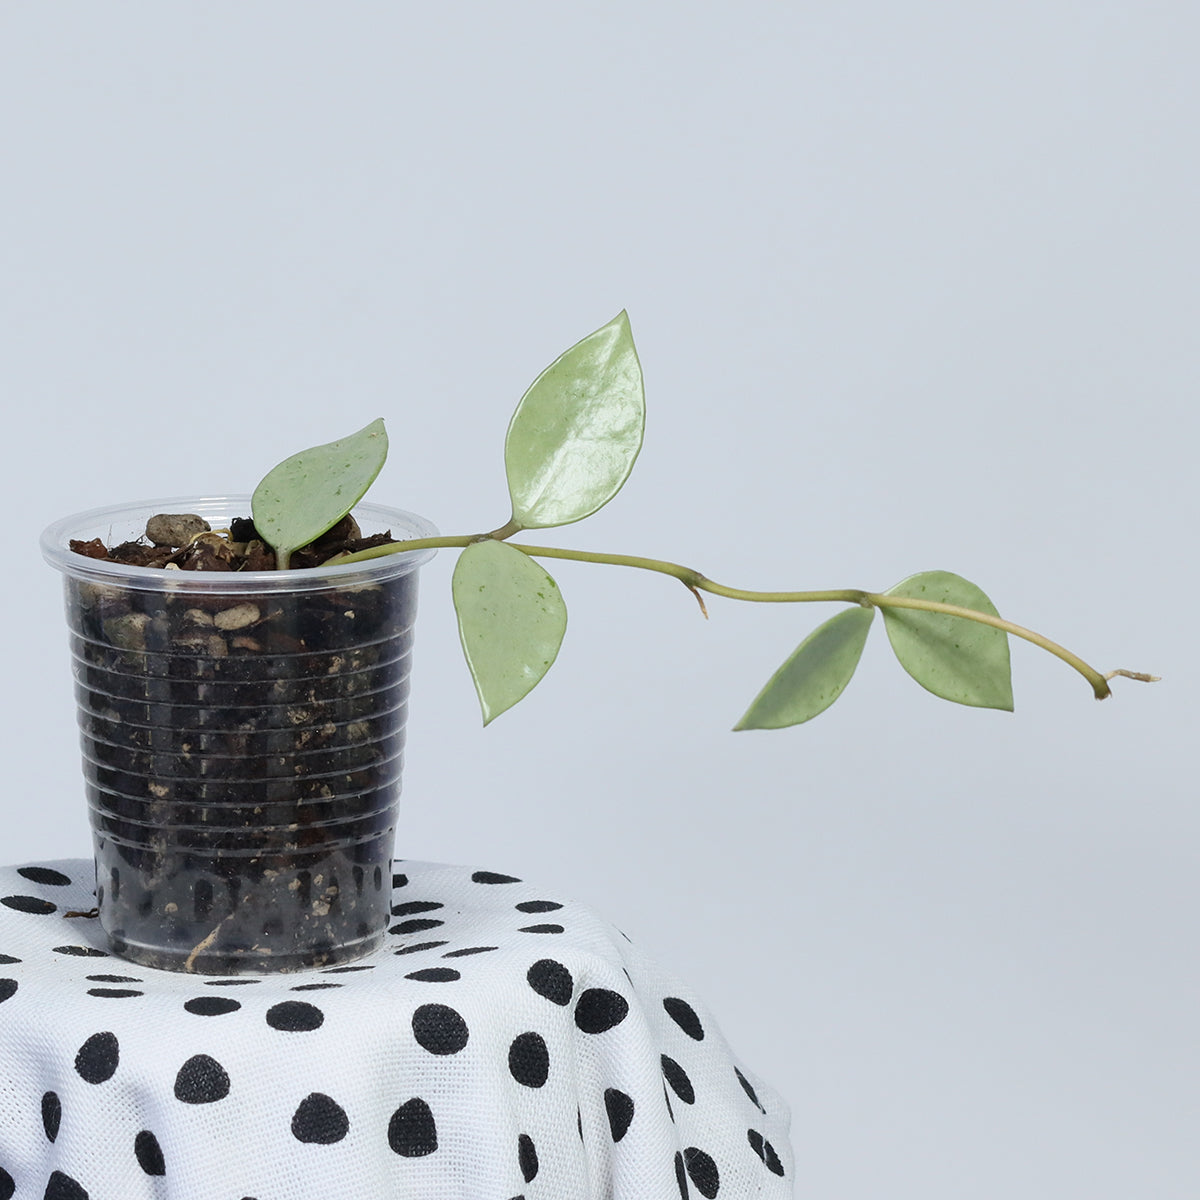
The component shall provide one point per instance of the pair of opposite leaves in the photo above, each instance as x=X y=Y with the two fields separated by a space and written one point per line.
x=571 y=445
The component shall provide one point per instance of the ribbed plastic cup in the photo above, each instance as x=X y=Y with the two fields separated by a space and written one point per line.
x=243 y=739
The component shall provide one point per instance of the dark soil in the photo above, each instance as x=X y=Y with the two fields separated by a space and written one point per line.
x=242 y=755
x=240 y=548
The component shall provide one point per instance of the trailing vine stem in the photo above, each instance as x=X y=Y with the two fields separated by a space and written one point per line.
x=695 y=582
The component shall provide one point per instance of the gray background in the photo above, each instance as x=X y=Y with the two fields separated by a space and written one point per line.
x=914 y=286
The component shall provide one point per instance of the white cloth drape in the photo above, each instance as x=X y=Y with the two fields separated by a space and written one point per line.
x=505 y=1043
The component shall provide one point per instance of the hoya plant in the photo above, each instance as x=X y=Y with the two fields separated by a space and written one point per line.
x=570 y=447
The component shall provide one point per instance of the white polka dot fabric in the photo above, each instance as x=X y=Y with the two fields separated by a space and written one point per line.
x=505 y=1043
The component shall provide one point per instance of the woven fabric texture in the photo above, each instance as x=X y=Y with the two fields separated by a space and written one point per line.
x=505 y=1043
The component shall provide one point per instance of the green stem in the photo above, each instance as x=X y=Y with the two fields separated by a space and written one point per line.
x=695 y=581
x=429 y=543
x=691 y=578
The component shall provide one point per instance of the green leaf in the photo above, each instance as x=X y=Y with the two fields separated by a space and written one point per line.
x=576 y=433
x=312 y=491
x=511 y=620
x=951 y=657
x=814 y=676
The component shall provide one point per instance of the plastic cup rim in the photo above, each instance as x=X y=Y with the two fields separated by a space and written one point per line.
x=56 y=551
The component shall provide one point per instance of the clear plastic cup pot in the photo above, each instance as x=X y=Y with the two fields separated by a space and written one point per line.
x=242 y=738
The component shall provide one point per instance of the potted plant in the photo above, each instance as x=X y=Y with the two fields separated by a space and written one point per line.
x=242 y=734
x=242 y=664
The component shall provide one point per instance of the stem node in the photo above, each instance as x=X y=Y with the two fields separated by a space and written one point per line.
x=505 y=531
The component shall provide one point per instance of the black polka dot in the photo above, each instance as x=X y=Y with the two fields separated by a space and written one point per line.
x=600 y=1009
x=772 y=1159
x=7 y=960
x=98 y=1057
x=681 y=1176
x=765 y=1151
x=684 y=1015
x=527 y=1157
x=551 y=980
x=619 y=1107
x=80 y=951
x=28 y=904
x=295 y=1016
x=681 y=1085
x=314 y=987
x=63 y=1187
x=439 y=1029
x=7 y=1185
x=114 y=993
x=538 y=906
x=667 y=1098
x=417 y=947
x=7 y=988
x=410 y=908
x=113 y=979
x=749 y=1090
x=212 y=1006
x=51 y=1114
x=412 y=1132
x=320 y=1120
x=399 y=881
x=149 y=1153
x=348 y=970
x=703 y=1172
x=44 y=875
x=417 y=925
x=493 y=877
x=435 y=975
x=529 y=1060
x=466 y=951
x=541 y=929
x=230 y=982
x=201 y=1080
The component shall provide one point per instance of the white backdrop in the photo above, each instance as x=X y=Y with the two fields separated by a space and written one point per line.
x=914 y=287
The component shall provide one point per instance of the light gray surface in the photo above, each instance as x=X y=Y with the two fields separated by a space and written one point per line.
x=914 y=286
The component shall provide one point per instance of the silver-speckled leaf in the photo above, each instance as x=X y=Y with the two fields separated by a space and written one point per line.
x=957 y=659
x=577 y=431
x=511 y=621
x=312 y=491
x=814 y=676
